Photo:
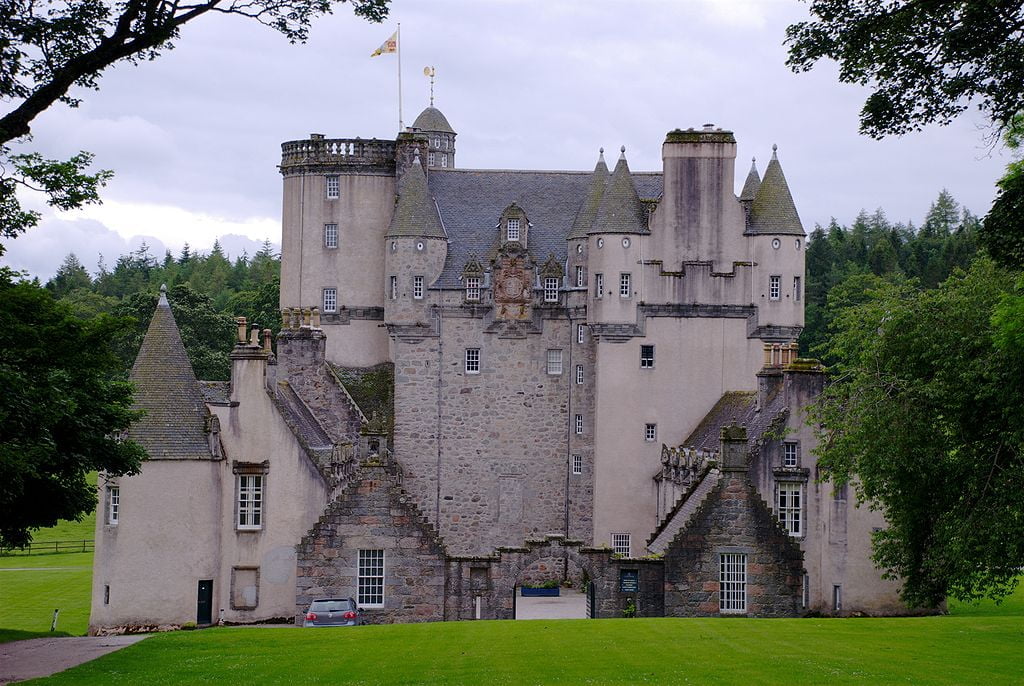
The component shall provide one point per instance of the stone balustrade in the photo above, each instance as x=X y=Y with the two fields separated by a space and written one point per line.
x=344 y=151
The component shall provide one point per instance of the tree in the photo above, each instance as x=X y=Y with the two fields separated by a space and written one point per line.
x=70 y=275
x=63 y=408
x=925 y=415
x=46 y=48
x=1002 y=231
x=926 y=60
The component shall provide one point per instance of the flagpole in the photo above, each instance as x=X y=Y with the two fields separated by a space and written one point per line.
x=399 y=46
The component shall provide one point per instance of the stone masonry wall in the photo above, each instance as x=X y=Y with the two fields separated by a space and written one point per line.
x=733 y=518
x=374 y=512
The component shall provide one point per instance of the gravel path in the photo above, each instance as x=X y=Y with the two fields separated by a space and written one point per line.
x=38 y=657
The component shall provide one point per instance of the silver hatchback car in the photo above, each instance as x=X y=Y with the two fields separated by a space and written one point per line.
x=333 y=612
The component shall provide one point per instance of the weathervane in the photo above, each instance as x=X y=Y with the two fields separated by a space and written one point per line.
x=430 y=71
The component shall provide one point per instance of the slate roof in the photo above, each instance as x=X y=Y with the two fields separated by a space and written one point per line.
x=752 y=183
x=621 y=210
x=773 y=210
x=174 y=426
x=471 y=202
x=739 y=407
x=415 y=212
x=431 y=119
x=216 y=392
x=588 y=210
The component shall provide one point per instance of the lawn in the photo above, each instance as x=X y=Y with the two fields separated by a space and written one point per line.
x=32 y=586
x=928 y=650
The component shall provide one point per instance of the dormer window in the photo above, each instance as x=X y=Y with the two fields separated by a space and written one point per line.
x=472 y=288
x=512 y=230
x=551 y=289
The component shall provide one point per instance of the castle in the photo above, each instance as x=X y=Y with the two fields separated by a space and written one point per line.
x=487 y=377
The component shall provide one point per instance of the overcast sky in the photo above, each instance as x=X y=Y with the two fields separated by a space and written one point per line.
x=194 y=137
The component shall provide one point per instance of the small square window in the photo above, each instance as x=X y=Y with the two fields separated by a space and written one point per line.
x=646 y=357
x=579 y=375
x=577 y=464
x=625 y=285
x=330 y=300
x=598 y=285
x=620 y=544
x=472 y=360
x=472 y=288
x=333 y=188
x=790 y=455
x=512 y=230
x=774 y=287
x=551 y=289
x=650 y=432
x=579 y=424
x=370 y=582
x=330 y=235
x=579 y=332
x=113 y=505
x=417 y=287
x=393 y=287
x=554 y=361
x=581 y=279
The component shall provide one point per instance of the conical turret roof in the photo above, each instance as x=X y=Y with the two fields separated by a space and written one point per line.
x=588 y=210
x=621 y=210
x=752 y=183
x=174 y=426
x=432 y=120
x=773 y=210
x=415 y=212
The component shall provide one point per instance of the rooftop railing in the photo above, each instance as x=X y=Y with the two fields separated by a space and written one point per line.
x=337 y=150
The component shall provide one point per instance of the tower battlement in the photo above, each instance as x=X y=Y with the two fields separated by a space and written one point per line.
x=337 y=154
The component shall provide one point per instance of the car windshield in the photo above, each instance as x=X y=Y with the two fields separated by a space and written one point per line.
x=331 y=606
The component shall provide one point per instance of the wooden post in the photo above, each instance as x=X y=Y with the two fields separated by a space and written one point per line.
x=53 y=624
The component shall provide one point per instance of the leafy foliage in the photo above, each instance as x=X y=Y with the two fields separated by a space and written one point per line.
x=925 y=414
x=925 y=59
x=64 y=405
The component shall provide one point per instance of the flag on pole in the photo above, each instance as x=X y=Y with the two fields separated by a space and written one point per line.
x=388 y=46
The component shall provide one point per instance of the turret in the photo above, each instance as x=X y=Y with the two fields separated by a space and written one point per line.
x=777 y=242
x=440 y=137
x=750 y=187
x=614 y=247
x=584 y=221
x=416 y=246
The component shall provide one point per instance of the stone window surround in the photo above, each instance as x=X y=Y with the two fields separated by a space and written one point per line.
x=791 y=454
x=113 y=504
x=554 y=362
x=473 y=288
x=646 y=356
x=579 y=375
x=650 y=432
x=579 y=424
x=332 y=184
x=577 y=464
x=370 y=577
x=417 y=287
x=512 y=229
x=796 y=288
x=550 y=289
x=234 y=572
x=774 y=287
x=580 y=333
x=790 y=516
x=472 y=360
x=581 y=277
x=247 y=469
x=430 y=159
x=743 y=552
x=393 y=287
x=625 y=284
x=330 y=236
x=330 y=300
x=598 y=286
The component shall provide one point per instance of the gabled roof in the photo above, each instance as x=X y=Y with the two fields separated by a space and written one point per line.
x=621 y=210
x=588 y=210
x=432 y=120
x=471 y=201
x=773 y=210
x=415 y=211
x=174 y=426
x=752 y=183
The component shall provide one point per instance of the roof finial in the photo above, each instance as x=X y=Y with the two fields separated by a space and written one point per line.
x=163 y=294
x=430 y=71
x=416 y=156
x=622 y=152
x=600 y=154
x=775 y=155
x=753 y=164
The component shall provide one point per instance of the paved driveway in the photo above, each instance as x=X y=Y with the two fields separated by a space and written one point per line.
x=37 y=657
x=569 y=605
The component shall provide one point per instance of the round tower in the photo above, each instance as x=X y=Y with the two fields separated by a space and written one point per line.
x=441 y=138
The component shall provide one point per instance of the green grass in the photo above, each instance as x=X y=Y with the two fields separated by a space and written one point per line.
x=1011 y=605
x=924 y=650
x=31 y=586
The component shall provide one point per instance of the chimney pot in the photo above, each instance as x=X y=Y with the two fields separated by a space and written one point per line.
x=240 y=322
